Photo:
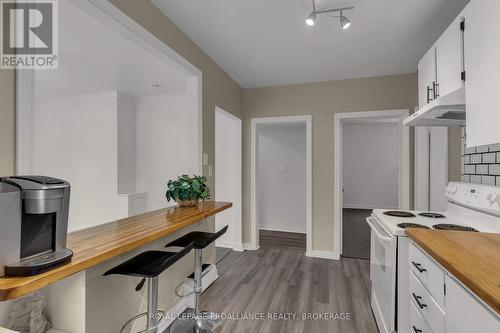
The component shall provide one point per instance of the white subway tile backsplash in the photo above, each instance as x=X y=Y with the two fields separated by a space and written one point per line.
x=488 y=180
x=490 y=158
x=470 y=150
x=495 y=147
x=475 y=179
x=480 y=164
x=476 y=159
x=482 y=149
x=470 y=169
x=494 y=169
x=482 y=169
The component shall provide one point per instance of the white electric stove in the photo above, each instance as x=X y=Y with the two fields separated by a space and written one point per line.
x=470 y=208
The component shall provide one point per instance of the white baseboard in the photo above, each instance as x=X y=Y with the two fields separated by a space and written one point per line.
x=323 y=254
x=228 y=245
x=271 y=228
x=209 y=277
x=249 y=247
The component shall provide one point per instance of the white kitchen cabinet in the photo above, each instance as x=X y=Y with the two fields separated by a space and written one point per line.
x=464 y=314
x=440 y=304
x=482 y=54
x=427 y=77
x=450 y=57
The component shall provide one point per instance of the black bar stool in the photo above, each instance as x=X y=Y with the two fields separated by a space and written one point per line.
x=149 y=265
x=201 y=322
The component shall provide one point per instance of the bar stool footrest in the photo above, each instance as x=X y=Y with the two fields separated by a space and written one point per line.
x=140 y=315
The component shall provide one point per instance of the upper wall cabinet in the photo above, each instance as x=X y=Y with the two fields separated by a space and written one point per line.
x=482 y=58
x=450 y=58
x=427 y=78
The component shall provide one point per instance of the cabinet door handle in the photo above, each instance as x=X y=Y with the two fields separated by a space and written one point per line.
x=429 y=99
x=435 y=89
x=418 y=298
x=419 y=267
x=416 y=330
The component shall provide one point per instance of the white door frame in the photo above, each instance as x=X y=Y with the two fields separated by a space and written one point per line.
x=110 y=15
x=237 y=241
x=404 y=164
x=307 y=120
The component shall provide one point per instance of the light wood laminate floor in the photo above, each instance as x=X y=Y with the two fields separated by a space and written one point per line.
x=278 y=280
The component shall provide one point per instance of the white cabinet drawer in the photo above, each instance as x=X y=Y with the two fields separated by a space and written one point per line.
x=428 y=308
x=417 y=323
x=428 y=272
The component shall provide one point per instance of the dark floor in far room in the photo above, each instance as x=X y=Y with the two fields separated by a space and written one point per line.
x=356 y=233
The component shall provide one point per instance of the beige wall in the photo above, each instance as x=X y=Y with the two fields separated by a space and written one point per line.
x=322 y=100
x=7 y=122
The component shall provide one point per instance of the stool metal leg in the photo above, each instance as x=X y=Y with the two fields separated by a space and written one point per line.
x=201 y=322
x=152 y=304
x=198 y=265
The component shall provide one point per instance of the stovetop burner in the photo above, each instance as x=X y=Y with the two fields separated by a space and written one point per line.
x=399 y=213
x=412 y=225
x=432 y=215
x=453 y=227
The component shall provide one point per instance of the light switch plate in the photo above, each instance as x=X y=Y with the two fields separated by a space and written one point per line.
x=205 y=159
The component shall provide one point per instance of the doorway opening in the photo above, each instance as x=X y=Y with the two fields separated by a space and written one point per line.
x=371 y=170
x=228 y=181
x=281 y=189
x=111 y=121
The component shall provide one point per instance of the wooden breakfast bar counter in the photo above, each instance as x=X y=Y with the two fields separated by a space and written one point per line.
x=96 y=245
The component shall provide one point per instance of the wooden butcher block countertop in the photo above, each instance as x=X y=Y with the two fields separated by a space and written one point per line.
x=97 y=244
x=472 y=257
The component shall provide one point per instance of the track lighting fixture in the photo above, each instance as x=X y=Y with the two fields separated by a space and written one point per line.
x=345 y=23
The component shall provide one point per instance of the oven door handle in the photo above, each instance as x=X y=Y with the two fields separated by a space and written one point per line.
x=377 y=233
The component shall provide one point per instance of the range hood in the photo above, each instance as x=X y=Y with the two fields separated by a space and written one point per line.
x=448 y=110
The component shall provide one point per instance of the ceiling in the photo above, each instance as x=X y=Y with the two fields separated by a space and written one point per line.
x=264 y=43
x=88 y=64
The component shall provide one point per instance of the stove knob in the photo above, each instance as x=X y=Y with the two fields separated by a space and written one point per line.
x=492 y=198
x=452 y=190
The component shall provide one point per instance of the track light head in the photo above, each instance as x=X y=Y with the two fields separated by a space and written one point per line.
x=311 y=19
x=345 y=23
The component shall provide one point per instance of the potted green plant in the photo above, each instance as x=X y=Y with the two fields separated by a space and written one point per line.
x=187 y=191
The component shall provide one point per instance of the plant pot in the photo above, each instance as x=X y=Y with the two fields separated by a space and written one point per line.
x=187 y=203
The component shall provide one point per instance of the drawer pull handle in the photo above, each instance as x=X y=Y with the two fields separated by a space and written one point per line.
x=416 y=330
x=419 y=267
x=418 y=298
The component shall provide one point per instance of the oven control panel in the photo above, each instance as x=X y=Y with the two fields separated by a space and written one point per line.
x=482 y=197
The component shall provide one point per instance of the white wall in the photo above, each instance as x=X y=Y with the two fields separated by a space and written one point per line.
x=76 y=140
x=116 y=151
x=228 y=177
x=127 y=147
x=164 y=145
x=281 y=177
x=370 y=156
